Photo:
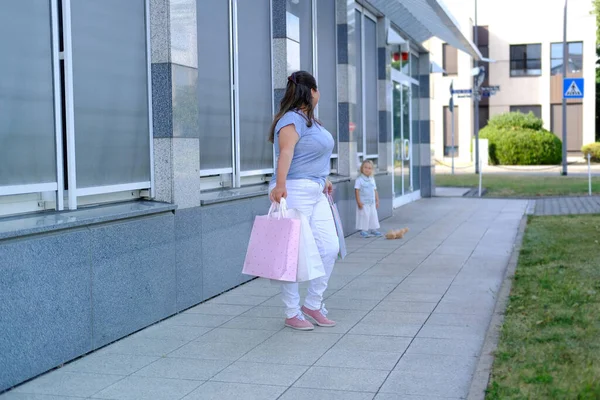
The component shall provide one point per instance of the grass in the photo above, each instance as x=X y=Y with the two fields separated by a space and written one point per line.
x=550 y=341
x=521 y=185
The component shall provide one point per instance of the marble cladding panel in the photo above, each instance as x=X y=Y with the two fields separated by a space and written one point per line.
x=45 y=303
x=280 y=67
x=342 y=43
x=344 y=122
x=184 y=33
x=186 y=172
x=189 y=263
x=225 y=234
x=163 y=170
x=133 y=275
x=342 y=76
x=160 y=40
x=185 y=102
x=279 y=19
x=162 y=100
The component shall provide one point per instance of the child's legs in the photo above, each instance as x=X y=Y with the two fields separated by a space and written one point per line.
x=362 y=218
x=373 y=217
x=326 y=238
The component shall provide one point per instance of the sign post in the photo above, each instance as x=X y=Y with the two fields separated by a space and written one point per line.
x=451 y=106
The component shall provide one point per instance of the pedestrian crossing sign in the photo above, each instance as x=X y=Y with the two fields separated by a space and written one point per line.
x=573 y=88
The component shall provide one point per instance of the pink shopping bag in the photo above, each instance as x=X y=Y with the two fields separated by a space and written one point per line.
x=273 y=248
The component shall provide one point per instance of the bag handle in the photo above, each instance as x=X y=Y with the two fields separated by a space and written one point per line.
x=329 y=198
x=281 y=207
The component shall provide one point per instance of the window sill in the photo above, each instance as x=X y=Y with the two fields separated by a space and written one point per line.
x=226 y=195
x=31 y=224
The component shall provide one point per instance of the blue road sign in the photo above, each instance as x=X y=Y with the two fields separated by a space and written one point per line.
x=573 y=88
x=462 y=91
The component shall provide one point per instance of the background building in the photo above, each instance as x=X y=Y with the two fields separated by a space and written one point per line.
x=134 y=153
x=524 y=37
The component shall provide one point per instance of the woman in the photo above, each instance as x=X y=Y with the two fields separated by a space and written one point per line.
x=303 y=148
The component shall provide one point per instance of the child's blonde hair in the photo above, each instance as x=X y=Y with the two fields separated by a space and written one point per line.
x=365 y=162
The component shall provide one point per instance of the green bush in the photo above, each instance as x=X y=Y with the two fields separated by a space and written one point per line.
x=516 y=121
x=520 y=139
x=593 y=149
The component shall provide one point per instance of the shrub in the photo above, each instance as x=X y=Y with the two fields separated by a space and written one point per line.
x=520 y=139
x=516 y=121
x=593 y=149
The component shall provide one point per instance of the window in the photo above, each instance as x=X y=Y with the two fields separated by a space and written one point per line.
x=366 y=116
x=234 y=118
x=448 y=132
x=450 y=59
x=299 y=35
x=526 y=60
x=327 y=109
x=105 y=106
x=574 y=57
x=484 y=116
x=535 y=109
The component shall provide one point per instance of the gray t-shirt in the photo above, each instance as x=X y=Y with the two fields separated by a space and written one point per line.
x=313 y=150
x=367 y=187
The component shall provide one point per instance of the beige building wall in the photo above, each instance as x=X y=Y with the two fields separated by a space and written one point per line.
x=512 y=22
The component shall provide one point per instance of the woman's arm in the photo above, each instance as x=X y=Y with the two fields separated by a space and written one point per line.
x=376 y=198
x=288 y=137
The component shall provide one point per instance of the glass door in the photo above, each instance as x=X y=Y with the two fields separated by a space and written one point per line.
x=401 y=125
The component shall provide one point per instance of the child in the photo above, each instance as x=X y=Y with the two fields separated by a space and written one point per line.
x=367 y=201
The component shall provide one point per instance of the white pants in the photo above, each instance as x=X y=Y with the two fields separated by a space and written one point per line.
x=367 y=219
x=307 y=197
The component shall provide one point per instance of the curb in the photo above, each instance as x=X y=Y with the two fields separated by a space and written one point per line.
x=483 y=370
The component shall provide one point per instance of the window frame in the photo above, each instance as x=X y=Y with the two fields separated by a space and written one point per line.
x=52 y=196
x=516 y=108
x=561 y=57
x=365 y=13
x=526 y=60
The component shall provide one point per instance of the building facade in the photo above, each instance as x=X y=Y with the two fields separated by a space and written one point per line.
x=526 y=56
x=134 y=153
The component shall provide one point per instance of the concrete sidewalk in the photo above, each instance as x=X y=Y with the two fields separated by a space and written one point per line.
x=412 y=317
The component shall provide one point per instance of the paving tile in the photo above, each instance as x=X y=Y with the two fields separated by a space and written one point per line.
x=238 y=299
x=235 y=391
x=62 y=383
x=257 y=291
x=173 y=332
x=449 y=347
x=350 y=379
x=267 y=324
x=285 y=354
x=361 y=294
x=381 y=328
x=421 y=288
x=183 y=368
x=431 y=375
x=107 y=363
x=320 y=394
x=219 y=309
x=141 y=388
x=212 y=351
x=398 y=295
x=29 y=396
x=345 y=303
x=465 y=320
x=142 y=346
x=208 y=321
x=393 y=396
x=372 y=360
x=235 y=336
x=266 y=311
x=405 y=306
x=392 y=344
x=260 y=373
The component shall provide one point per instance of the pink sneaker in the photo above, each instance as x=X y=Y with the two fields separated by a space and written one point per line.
x=319 y=316
x=300 y=323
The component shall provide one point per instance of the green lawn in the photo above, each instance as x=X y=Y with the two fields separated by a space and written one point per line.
x=522 y=185
x=550 y=341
